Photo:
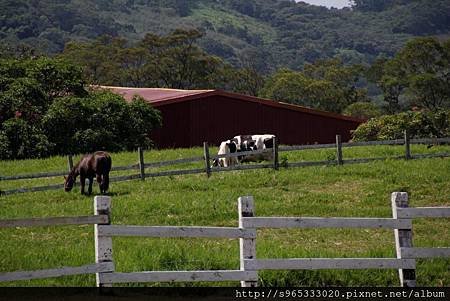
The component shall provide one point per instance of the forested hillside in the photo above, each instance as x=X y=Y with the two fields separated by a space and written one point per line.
x=266 y=34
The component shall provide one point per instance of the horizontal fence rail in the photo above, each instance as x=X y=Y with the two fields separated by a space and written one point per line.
x=302 y=147
x=124 y=178
x=366 y=160
x=208 y=169
x=129 y=167
x=423 y=212
x=34 y=176
x=333 y=222
x=425 y=252
x=422 y=156
x=241 y=167
x=172 y=231
x=31 y=189
x=181 y=276
x=246 y=153
x=54 y=221
x=329 y=263
x=64 y=271
x=173 y=162
x=369 y=143
x=430 y=140
x=175 y=172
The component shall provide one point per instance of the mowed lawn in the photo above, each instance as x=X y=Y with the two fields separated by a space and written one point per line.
x=358 y=190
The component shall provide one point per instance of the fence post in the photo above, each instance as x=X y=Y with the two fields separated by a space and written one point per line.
x=339 y=150
x=247 y=246
x=70 y=162
x=403 y=239
x=407 y=145
x=103 y=244
x=207 y=159
x=141 y=163
x=276 y=164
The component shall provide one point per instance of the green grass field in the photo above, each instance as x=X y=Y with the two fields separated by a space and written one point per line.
x=358 y=190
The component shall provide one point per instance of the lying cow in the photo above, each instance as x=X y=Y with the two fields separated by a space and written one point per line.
x=245 y=143
x=257 y=142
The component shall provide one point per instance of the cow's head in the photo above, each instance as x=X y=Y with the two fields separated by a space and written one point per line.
x=248 y=145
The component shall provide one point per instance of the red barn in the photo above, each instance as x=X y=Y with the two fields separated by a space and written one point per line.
x=191 y=117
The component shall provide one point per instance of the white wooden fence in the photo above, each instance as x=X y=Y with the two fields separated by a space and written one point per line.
x=246 y=232
x=98 y=267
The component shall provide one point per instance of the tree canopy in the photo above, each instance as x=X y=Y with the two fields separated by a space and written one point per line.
x=327 y=85
x=272 y=34
x=45 y=110
x=420 y=72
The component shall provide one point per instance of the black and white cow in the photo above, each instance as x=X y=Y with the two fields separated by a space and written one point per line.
x=245 y=143
x=226 y=147
x=257 y=142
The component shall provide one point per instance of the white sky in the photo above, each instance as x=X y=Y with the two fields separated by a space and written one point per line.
x=328 y=3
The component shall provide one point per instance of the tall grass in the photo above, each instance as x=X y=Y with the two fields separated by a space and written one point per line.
x=350 y=190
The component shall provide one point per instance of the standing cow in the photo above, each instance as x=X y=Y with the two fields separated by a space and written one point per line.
x=226 y=147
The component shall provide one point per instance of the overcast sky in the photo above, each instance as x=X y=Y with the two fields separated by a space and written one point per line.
x=328 y=3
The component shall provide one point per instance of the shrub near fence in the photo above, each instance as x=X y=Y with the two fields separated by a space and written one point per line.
x=250 y=265
x=141 y=166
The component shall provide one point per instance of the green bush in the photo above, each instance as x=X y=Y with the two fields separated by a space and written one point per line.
x=44 y=110
x=102 y=121
x=418 y=124
x=20 y=140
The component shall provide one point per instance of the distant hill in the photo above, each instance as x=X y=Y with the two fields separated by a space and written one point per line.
x=267 y=34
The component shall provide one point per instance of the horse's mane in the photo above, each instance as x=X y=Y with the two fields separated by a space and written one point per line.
x=75 y=171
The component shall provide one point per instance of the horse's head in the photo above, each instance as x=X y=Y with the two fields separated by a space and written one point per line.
x=69 y=181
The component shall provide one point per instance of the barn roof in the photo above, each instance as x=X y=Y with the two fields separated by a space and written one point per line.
x=162 y=96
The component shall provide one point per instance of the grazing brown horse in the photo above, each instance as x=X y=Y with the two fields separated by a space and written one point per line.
x=97 y=164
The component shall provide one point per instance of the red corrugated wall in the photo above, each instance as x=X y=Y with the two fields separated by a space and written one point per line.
x=217 y=118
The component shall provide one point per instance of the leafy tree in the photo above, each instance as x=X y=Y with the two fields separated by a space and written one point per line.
x=28 y=86
x=420 y=72
x=344 y=78
x=287 y=85
x=99 y=59
x=172 y=61
x=244 y=80
x=362 y=110
x=20 y=139
x=45 y=110
x=426 y=65
x=183 y=65
x=326 y=85
x=101 y=121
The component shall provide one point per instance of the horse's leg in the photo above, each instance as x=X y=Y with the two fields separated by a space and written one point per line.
x=106 y=182
x=100 y=182
x=82 y=182
x=91 y=179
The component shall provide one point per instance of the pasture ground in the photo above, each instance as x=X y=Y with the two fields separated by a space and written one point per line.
x=358 y=190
